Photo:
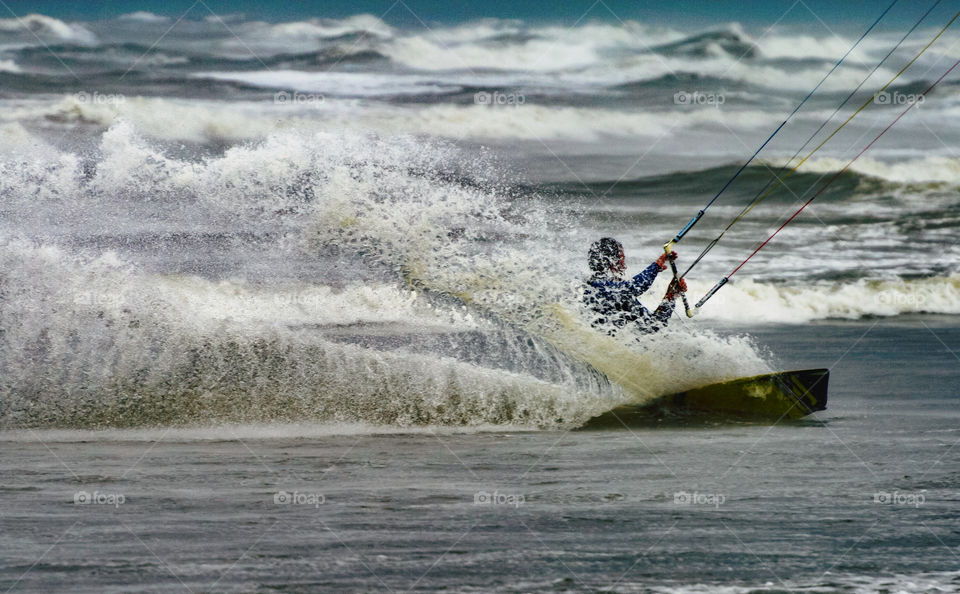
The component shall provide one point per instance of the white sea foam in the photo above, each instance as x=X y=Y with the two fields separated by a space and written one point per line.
x=618 y=54
x=543 y=49
x=106 y=331
x=385 y=198
x=203 y=301
x=201 y=121
x=94 y=340
x=365 y=195
x=591 y=53
x=49 y=28
x=265 y=39
x=143 y=16
x=748 y=301
x=17 y=143
x=361 y=23
x=173 y=119
x=929 y=170
x=533 y=122
x=781 y=44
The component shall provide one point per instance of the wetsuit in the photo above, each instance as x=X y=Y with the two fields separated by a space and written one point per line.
x=617 y=302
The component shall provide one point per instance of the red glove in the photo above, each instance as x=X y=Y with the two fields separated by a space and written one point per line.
x=675 y=288
x=662 y=260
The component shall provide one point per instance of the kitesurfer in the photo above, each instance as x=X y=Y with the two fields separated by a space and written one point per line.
x=616 y=300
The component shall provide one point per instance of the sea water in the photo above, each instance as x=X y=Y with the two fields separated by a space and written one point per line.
x=296 y=306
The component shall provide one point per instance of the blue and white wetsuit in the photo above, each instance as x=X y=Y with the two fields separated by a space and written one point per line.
x=618 y=302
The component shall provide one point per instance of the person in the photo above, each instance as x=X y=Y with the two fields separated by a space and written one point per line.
x=615 y=300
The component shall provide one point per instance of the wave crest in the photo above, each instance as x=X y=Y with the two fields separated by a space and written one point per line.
x=49 y=29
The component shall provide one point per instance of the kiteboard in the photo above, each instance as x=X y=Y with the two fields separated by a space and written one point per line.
x=770 y=397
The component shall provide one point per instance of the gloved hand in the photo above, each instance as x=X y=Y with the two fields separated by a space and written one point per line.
x=675 y=289
x=662 y=260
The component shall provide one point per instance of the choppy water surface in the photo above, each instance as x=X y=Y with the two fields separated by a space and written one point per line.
x=861 y=499
x=340 y=261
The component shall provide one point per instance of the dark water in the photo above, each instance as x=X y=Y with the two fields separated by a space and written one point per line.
x=863 y=498
x=364 y=246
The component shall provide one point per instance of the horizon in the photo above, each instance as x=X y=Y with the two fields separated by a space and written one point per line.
x=820 y=16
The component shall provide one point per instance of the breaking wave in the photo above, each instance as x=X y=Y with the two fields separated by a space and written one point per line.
x=484 y=329
x=209 y=122
x=593 y=54
x=39 y=28
x=750 y=301
x=95 y=345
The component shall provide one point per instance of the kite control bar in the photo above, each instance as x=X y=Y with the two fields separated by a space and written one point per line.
x=676 y=279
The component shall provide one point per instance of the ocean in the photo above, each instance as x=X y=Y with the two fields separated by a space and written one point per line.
x=297 y=306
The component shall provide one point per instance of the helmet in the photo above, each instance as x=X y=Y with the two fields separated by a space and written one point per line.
x=604 y=254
